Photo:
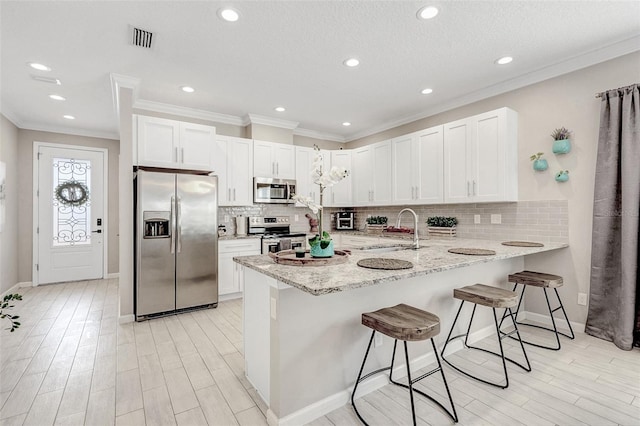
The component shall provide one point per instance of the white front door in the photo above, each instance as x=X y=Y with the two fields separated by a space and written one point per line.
x=70 y=214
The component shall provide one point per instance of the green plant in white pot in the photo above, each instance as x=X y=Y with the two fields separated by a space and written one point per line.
x=561 y=141
x=321 y=244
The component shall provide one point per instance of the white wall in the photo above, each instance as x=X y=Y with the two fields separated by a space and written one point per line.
x=9 y=234
x=568 y=101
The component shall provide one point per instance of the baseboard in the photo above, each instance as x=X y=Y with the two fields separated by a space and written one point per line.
x=112 y=276
x=333 y=402
x=124 y=319
x=15 y=288
x=577 y=327
x=229 y=296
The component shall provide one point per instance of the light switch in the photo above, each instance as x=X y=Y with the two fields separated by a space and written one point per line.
x=476 y=218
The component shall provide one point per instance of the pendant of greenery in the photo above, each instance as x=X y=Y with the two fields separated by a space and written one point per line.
x=6 y=300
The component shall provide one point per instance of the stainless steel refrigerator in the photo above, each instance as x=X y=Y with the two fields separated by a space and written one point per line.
x=176 y=242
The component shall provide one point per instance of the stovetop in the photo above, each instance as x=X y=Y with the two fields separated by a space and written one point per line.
x=274 y=236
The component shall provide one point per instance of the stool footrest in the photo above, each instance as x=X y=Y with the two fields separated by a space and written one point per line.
x=417 y=379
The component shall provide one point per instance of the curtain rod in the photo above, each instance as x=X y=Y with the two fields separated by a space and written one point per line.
x=599 y=95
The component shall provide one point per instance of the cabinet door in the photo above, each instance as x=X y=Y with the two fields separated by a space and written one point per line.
x=428 y=167
x=457 y=138
x=488 y=155
x=362 y=176
x=219 y=164
x=381 y=176
x=263 y=162
x=240 y=164
x=157 y=142
x=304 y=183
x=196 y=146
x=404 y=163
x=341 y=194
x=284 y=158
x=226 y=281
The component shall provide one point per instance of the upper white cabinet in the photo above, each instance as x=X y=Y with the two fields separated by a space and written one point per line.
x=274 y=160
x=341 y=192
x=304 y=181
x=233 y=161
x=174 y=144
x=372 y=174
x=480 y=158
x=417 y=167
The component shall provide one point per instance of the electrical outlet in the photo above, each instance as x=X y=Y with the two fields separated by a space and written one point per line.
x=296 y=218
x=582 y=299
x=476 y=218
x=226 y=218
x=377 y=341
x=496 y=218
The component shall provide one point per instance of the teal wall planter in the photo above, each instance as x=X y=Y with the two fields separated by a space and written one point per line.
x=562 y=176
x=562 y=146
x=317 y=251
x=540 y=165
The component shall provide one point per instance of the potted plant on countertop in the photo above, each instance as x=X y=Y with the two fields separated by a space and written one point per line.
x=376 y=224
x=441 y=225
x=321 y=244
x=561 y=141
x=539 y=164
x=6 y=300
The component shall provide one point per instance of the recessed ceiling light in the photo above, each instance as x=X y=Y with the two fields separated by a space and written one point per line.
x=280 y=109
x=229 y=14
x=504 y=60
x=427 y=12
x=188 y=89
x=426 y=91
x=39 y=67
x=57 y=98
x=346 y=124
x=69 y=117
x=351 y=62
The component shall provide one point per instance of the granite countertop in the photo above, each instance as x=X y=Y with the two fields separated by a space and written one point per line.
x=239 y=237
x=432 y=257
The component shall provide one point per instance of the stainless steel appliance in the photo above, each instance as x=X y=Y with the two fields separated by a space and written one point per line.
x=345 y=220
x=276 y=233
x=273 y=191
x=176 y=228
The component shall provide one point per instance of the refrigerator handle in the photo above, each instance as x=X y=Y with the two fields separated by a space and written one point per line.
x=172 y=241
x=179 y=224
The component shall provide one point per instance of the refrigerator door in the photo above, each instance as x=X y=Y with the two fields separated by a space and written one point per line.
x=196 y=241
x=155 y=265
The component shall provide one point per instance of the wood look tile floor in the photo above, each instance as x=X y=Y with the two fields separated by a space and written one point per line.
x=72 y=363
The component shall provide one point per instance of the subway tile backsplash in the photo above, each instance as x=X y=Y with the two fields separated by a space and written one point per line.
x=541 y=221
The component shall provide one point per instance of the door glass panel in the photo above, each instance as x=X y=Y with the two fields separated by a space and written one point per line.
x=71 y=202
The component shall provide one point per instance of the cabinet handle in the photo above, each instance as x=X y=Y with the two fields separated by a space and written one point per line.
x=413 y=193
x=182 y=152
x=229 y=194
x=474 y=187
x=333 y=198
x=176 y=154
x=468 y=190
x=273 y=168
x=234 y=194
x=277 y=169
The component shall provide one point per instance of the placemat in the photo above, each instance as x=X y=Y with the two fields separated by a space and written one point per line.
x=384 y=263
x=522 y=244
x=472 y=251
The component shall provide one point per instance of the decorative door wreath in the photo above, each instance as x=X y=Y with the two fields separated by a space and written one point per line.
x=72 y=193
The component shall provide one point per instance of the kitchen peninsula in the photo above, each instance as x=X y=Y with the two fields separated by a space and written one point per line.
x=303 y=341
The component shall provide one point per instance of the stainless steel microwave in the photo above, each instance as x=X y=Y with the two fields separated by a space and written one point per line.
x=274 y=191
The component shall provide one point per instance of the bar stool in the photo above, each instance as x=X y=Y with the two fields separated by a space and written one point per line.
x=493 y=297
x=406 y=323
x=539 y=279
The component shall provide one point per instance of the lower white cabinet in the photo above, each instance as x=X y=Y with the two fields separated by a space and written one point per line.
x=229 y=272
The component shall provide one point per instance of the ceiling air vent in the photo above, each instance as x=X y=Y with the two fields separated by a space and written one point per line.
x=46 y=79
x=141 y=38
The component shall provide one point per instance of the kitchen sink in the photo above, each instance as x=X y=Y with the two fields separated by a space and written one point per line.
x=385 y=249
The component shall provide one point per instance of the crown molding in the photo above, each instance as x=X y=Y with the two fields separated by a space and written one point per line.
x=593 y=57
x=188 y=112
x=269 y=121
x=119 y=81
x=319 y=135
x=70 y=131
x=10 y=115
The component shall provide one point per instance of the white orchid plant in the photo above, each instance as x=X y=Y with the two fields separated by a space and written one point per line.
x=324 y=180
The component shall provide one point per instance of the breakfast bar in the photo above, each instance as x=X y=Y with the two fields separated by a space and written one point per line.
x=303 y=338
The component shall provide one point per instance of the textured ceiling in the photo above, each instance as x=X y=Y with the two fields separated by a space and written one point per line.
x=290 y=53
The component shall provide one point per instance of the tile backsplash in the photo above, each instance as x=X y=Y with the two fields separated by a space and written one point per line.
x=541 y=221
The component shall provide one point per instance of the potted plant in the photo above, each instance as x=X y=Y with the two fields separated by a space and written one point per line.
x=562 y=176
x=441 y=225
x=6 y=300
x=376 y=224
x=539 y=164
x=321 y=244
x=561 y=144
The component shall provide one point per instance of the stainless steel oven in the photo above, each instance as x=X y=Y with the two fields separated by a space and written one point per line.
x=276 y=233
x=273 y=191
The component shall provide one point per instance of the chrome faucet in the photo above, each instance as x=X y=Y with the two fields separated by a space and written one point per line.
x=416 y=244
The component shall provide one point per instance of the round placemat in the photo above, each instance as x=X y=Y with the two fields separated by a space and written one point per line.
x=472 y=251
x=383 y=263
x=522 y=244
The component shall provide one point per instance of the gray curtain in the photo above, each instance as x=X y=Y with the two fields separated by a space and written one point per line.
x=614 y=304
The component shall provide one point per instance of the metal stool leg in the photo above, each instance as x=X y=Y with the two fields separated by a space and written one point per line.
x=361 y=378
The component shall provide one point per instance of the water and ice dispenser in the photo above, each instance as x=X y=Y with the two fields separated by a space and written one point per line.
x=156 y=224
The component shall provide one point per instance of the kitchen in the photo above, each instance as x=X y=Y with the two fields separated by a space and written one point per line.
x=543 y=104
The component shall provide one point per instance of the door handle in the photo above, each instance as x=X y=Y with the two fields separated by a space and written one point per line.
x=179 y=224
x=277 y=169
x=172 y=240
x=99 y=231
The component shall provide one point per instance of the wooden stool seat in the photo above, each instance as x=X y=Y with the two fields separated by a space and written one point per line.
x=403 y=322
x=536 y=279
x=485 y=295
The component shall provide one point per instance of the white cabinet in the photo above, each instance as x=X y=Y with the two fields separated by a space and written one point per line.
x=174 y=144
x=372 y=174
x=417 y=174
x=275 y=160
x=229 y=272
x=340 y=194
x=304 y=181
x=233 y=163
x=481 y=158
